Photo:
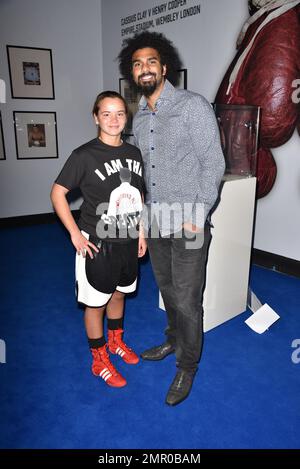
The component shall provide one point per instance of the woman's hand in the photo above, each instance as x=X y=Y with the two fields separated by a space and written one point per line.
x=83 y=245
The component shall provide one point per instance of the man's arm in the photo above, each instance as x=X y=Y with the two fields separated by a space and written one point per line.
x=205 y=138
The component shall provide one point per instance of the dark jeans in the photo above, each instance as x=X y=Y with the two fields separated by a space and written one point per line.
x=180 y=276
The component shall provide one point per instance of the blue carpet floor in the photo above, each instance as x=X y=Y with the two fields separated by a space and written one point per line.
x=245 y=395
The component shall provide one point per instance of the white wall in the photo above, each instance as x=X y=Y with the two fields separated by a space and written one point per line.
x=206 y=43
x=278 y=214
x=72 y=29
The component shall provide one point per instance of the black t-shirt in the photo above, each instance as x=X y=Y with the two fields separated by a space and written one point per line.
x=111 y=182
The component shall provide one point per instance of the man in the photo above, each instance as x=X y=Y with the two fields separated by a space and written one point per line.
x=178 y=136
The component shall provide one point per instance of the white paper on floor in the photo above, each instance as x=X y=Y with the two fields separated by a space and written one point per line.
x=262 y=319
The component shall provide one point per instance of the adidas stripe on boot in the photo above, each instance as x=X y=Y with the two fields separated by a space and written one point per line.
x=117 y=346
x=103 y=367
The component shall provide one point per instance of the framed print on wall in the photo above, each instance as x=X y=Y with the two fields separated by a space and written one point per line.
x=182 y=79
x=2 y=147
x=36 y=135
x=30 y=72
x=132 y=97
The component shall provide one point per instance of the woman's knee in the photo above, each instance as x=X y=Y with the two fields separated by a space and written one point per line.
x=117 y=296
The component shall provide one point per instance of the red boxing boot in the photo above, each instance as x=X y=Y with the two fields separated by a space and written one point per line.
x=117 y=346
x=103 y=367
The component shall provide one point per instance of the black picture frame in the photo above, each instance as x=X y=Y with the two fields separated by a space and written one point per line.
x=182 y=79
x=35 y=135
x=30 y=72
x=2 y=144
x=132 y=99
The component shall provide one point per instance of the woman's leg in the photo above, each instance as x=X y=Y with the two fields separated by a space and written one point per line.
x=93 y=319
x=115 y=306
x=115 y=311
x=101 y=365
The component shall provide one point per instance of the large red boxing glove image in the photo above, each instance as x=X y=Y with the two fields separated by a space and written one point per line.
x=262 y=73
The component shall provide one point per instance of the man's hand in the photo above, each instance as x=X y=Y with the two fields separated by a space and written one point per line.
x=142 y=248
x=192 y=228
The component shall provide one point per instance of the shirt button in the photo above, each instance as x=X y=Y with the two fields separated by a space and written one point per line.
x=153 y=166
x=153 y=184
x=151 y=130
x=152 y=148
x=153 y=113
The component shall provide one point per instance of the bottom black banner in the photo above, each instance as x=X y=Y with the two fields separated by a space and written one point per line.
x=134 y=458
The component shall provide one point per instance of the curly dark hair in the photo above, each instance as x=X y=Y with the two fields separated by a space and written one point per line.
x=169 y=55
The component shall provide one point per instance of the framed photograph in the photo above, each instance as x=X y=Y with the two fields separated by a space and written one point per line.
x=30 y=72
x=36 y=135
x=182 y=79
x=132 y=97
x=2 y=147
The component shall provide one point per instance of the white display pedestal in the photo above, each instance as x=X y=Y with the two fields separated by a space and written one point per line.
x=228 y=265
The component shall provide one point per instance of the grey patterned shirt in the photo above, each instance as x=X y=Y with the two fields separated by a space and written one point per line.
x=183 y=159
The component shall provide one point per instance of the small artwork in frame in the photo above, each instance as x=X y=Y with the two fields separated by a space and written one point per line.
x=2 y=147
x=182 y=79
x=31 y=72
x=132 y=97
x=36 y=135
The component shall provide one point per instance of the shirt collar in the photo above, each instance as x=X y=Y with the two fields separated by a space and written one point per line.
x=167 y=94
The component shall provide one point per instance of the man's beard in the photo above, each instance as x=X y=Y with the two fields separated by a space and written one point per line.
x=148 y=88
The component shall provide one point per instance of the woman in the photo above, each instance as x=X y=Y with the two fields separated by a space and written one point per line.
x=107 y=240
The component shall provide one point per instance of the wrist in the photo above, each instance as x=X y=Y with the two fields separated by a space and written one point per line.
x=74 y=231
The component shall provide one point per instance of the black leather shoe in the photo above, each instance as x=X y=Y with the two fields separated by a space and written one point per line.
x=181 y=387
x=159 y=352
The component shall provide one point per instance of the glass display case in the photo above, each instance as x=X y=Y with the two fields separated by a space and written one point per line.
x=239 y=128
